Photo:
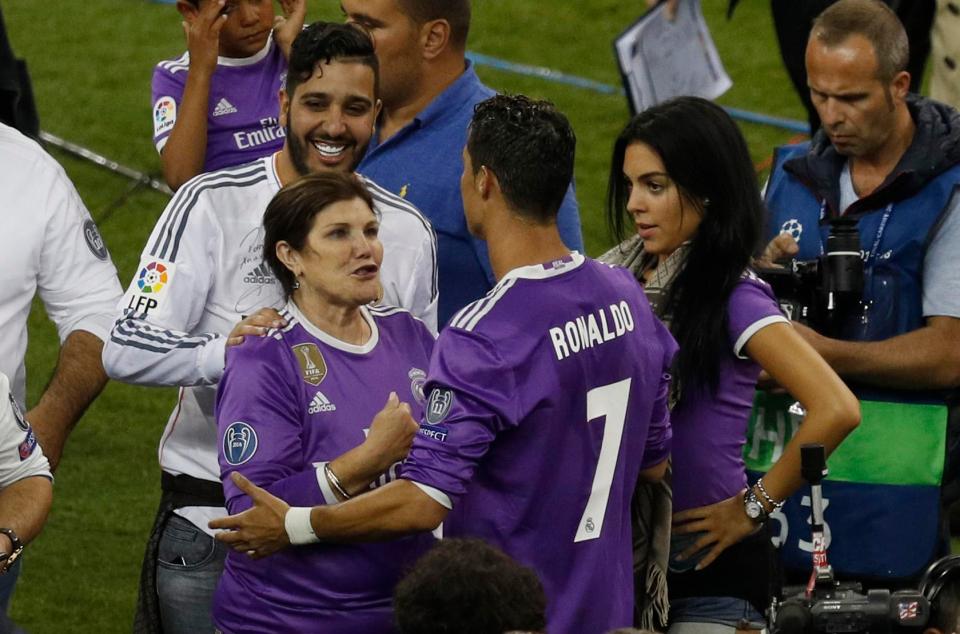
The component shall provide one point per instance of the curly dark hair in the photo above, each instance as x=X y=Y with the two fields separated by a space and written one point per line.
x=324 y=42
x=529 y=145
x=469 y=587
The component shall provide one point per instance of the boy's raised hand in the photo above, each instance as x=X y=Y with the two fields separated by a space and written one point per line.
x=202 y=29
x=287 y=27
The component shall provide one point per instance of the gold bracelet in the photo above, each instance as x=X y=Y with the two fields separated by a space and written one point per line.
x=335 y=481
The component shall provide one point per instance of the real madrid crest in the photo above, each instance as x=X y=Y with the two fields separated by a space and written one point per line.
x=312 y=365
x=417 y=379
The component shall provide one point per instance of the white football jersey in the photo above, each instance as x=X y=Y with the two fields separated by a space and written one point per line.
x=202 y=271
x=49 y=245
x=20 y=453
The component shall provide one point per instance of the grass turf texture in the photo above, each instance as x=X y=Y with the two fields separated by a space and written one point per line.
x=91 y=64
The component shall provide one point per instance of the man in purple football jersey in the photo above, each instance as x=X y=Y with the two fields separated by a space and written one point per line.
x=547 y=398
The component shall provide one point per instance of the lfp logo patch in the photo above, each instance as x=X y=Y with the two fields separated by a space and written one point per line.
x=152 y=278
x=164 y=115
x=239 y=443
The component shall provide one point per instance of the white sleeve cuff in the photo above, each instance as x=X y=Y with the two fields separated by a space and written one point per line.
x=213 y=358
x=98 y=325
x=437 y=495
x=329 y=497
x=753 y=329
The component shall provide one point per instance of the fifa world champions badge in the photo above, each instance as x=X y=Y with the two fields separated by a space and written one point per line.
x=312 y=366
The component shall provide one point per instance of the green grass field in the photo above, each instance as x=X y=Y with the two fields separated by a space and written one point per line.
x=91 y=64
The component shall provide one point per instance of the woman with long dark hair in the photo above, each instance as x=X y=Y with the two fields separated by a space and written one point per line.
x=682 y=180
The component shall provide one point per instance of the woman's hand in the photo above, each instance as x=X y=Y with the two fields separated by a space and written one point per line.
x=723 y=524
x=255 y=325
x=391 y=433
x=259 y=531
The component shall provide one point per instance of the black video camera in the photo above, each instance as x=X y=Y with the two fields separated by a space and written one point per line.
x=844 y=608
x=826 y=605
x=826 y=292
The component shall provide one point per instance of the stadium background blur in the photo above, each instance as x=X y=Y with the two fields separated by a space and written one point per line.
x=91 y=62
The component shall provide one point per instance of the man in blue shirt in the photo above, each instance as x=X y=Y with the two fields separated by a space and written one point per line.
x=429 y=89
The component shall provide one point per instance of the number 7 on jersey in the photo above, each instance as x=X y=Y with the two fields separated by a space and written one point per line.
x=610 y=403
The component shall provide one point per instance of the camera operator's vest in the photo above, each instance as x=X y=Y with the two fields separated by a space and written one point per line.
x=883 y=491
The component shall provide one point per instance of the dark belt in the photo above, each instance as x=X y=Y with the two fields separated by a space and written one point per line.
x=178 y=491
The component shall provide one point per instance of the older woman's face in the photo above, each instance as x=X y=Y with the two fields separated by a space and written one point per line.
x=342 y=255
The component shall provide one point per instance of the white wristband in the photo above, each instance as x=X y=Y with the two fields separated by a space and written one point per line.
x=297 y=524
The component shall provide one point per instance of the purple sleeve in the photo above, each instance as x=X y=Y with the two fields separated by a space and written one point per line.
x=751 y=307
x=166 y=93
x=259 y=426
x=660 y=434
x=469 y=402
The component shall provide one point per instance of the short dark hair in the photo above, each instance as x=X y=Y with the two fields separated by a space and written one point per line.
x=874 y=21
x=469 y=587
x=290 y=214
x=455 y=12
x=324 y=42
x=529 y=145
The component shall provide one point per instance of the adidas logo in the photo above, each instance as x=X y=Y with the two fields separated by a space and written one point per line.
x=260 y=275
x=321 y=404
x=223 y=107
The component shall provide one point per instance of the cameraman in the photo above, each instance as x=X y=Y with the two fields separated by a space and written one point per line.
x=889 y=161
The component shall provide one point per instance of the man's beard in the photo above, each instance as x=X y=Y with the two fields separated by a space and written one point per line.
x=298 y=154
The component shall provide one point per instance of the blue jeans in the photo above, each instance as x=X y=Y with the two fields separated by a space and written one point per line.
x=7 y=583
x=189 y=564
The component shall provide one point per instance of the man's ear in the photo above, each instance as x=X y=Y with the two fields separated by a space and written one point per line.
x=900 y=85
x=187 y=10
x=284 y=106
x=434 y=38
x=486 y=182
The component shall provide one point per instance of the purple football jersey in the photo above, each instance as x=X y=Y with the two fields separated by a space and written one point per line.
x=287 y=404
x=242 y=116
x=546 y=399
x=709 y=430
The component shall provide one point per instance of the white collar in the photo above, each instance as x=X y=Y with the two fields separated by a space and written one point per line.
x=547 y=270
x=247 y=61
x=332 y=341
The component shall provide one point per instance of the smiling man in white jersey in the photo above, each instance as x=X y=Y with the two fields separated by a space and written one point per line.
x=202 y=271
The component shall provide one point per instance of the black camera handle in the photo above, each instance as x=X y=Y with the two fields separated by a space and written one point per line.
x=813 y=467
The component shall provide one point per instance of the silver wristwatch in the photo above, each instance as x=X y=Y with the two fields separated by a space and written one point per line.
x=754 y=508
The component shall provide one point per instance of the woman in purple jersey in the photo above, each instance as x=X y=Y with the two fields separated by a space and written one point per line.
x=682 y=173
x=294 y=412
